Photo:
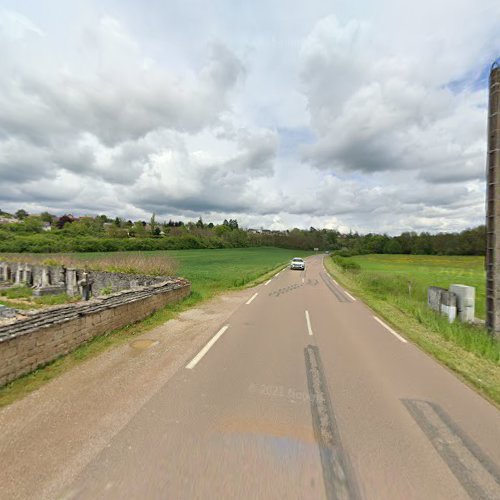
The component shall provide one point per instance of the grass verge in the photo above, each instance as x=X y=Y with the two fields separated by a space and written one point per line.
x=467 y=350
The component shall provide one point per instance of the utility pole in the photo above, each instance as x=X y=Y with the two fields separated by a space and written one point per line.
x=493 y=205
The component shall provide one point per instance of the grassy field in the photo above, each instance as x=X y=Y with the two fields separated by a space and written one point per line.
x=210 y=272
x=213 y=271
x=422 y=271
x=396 y=287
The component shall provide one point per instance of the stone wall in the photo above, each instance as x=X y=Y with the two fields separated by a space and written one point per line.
x=58 y=279
x=43 y=336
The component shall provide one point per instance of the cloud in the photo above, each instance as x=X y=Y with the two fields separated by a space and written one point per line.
x=364 y=118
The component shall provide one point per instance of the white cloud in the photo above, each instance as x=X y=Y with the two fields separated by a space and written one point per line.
x=370 y=117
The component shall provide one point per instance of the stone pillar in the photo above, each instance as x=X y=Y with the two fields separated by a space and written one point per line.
x=17 y=280
x=71 y=282
x=27 y=275
x=45 y=277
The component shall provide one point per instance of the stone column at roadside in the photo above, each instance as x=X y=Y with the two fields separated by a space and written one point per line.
x=71 y=282
x=17 y=280
x=45 y=277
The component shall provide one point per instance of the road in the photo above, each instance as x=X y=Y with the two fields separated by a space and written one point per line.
x=302 y=393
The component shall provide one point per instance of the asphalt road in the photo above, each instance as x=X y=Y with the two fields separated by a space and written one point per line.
x=303 y=393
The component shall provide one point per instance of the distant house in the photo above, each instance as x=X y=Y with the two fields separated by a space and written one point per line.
x=46 y=226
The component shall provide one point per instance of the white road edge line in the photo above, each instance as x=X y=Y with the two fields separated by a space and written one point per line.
x=249 y=301
x=390 y=330
x=350 y=296
x=308 y=320
x=207 y=347
x=267 y=282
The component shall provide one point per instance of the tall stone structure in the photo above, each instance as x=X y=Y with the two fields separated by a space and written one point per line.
x=493 y=205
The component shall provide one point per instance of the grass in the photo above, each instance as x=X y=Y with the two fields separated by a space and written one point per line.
x=21 y=297
x=422 y=271
x=210 y=272
x=148 y=263
x=382 y=282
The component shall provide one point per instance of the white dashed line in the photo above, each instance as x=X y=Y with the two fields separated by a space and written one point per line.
x=249 y=301
x=308 y=321
x=350 y=296
x=390 y=330
x=267 y=282
x=202 y=353
x=303 y=280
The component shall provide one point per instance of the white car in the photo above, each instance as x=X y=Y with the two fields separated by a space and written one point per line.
x=297 y=263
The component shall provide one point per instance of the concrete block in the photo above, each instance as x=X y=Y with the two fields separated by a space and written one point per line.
x=466 y=299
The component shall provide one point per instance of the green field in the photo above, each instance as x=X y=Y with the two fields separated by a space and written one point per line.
x=210 y=271
x=422 y=271
x=213 y=271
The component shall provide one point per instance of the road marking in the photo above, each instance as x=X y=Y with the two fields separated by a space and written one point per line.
x=390 y=330
x=350 y=296
x=249 y=301
x=309 y=329
x=277 y=274
x=209 y=344
x=302 y=279
x=267 y=282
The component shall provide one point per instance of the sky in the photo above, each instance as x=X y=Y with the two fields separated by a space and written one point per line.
x=365 y=115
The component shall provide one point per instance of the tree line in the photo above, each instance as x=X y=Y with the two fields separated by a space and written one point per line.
x=47 y=233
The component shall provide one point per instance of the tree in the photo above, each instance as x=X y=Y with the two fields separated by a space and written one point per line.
x=21 y=214
x=152 y=223
x=65 y=219
x=200 y=224
x=46 y=217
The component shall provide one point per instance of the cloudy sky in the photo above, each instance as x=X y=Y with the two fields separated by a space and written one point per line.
x=367 y=115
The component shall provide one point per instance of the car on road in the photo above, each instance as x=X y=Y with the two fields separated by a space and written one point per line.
x=297 y=263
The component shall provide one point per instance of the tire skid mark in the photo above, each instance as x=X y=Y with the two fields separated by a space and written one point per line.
x=338 y=476
x=475 y=471
x=340 y=296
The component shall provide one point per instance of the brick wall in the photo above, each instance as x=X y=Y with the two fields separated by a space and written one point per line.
x=45 y=335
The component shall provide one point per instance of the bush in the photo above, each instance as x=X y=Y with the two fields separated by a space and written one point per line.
x=346 y=264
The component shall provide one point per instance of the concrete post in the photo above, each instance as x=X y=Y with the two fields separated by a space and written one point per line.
x=493 y=205
x=466 y=301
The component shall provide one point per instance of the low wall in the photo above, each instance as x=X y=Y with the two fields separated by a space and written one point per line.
x=45 y=335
